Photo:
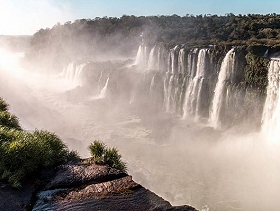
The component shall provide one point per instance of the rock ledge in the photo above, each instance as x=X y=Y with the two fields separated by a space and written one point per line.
x=83 y=185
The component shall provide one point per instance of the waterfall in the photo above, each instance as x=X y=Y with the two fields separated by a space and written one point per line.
x=193 y=106
x=69 y=72
x=181 y=61
x=152 y=59
x=104 y=90
x=271 y=112
x=73 y=73
x=171 y=86
x=159 y=58
x=141 y=57
x=193 y=62
x=174 y=53
x=152 y=84
x=227 y=73
x=77 y=76
x=169 y=94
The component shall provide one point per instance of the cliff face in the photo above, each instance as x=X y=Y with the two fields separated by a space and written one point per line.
x=83 y=185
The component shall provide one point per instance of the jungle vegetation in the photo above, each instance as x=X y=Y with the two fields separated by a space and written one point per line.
x=87 y=37
x=23 y=153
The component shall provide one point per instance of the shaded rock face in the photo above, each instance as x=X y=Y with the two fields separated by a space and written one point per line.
x=86 y=186
x=12 y=199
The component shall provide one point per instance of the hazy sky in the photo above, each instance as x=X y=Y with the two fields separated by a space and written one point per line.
x=28 y=16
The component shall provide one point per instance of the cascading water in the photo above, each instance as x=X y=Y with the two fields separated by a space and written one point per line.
x=171 y=81
x=77 y=76
x=141 y=57
x=73 y=73
x=68 y=71
x=227 y=73
x=181 y=61
x=271 y=113
x=152 y=84
x=104 y=90
x=152 y=61
x=193 y=106
x=195 y=182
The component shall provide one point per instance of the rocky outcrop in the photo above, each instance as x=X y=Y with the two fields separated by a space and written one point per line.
x=85 y=172
x=83 y=185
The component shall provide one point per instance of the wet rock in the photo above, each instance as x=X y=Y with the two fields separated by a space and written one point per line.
x=119 y=194
x=83 y=185
x=73 y=174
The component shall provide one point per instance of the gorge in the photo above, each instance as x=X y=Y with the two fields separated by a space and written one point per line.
x=196 y=124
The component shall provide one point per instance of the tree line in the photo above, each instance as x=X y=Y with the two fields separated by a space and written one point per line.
x=86 y=38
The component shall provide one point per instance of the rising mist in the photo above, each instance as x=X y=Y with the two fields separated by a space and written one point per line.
x=156 y=107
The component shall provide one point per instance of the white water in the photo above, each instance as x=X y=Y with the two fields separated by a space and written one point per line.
x=152 y=59
x=193 y=100
x=271 y=112
x=192 y=63
x=226 y=73
x=174 y=59
x=152 y=84
x=73 y=73
x=181 y=61
x=104 y=90
x=184 y=164
x=141 y=57
x=171 y=85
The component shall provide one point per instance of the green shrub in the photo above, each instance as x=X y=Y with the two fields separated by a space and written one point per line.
x=23 y=154
x=104 y=155
x=53 y=149
x=9 y=120
x=113 y=159
x=6 y=118
x=97 y=150
x=3 y=105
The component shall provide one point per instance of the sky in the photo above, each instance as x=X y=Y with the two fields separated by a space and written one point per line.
x=25 y=17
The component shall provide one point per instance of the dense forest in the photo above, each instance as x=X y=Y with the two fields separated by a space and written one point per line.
x=87 y=38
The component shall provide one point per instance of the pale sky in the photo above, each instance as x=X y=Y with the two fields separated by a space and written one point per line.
x=25 y=17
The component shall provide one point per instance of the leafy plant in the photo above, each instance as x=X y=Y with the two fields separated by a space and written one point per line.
x=104 y=155
x=3 y=105
x=97 y=150
x=23 y=153
x=9 y=120
x=113 y=159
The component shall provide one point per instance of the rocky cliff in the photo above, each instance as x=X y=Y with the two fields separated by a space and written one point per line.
x=82 y=185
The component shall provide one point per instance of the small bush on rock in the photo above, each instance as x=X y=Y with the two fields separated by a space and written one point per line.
x=104 y=155
x=97 y=150
x=113 y=159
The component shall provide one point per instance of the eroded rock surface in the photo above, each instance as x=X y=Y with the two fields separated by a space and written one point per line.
x=79 y=173
x=86 y=186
